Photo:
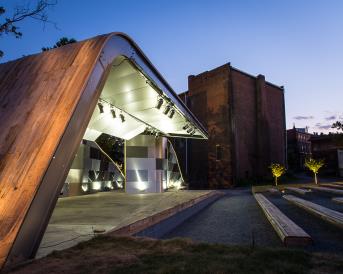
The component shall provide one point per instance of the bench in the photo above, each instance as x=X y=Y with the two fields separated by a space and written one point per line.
x=332 y=216
x=327 y=189
x=338 y=200
x=333 y=186
x=289 y=232
x=298 y=190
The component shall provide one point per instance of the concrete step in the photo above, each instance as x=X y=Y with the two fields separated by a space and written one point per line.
x=332 y=216
x=327 y=189
x=337 y=186
x=338 y=200
x=298 y=190
x=289 y=232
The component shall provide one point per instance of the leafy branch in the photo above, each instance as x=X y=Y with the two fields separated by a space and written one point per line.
x=38 y=12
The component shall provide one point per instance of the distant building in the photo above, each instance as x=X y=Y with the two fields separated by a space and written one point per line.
x=330 y=148
x=298 y=148
x=245 y=118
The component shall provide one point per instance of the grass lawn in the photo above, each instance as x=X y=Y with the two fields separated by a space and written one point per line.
x=105 y=254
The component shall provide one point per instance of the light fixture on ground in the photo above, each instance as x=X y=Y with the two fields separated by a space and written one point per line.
x=101 y=107
x=159 y=103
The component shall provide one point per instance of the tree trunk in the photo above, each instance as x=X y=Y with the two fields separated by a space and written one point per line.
x=276 y=181
x=315 y=178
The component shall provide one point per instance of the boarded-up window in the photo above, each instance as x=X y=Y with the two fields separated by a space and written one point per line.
x=218 y=152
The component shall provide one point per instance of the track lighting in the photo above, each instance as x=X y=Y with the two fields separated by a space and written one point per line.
x=193 y=131
x=185 y=126
x=166 y=110
x=113 y=112
x=171 y=114
x=101 y=107
x=189 y=130
x=159 y=103
x=122 y=117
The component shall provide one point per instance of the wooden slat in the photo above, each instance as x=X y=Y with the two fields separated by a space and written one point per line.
x=327 y=214
x=289 y=232
x=338 y=200
x=327 y=189
x=298 y=190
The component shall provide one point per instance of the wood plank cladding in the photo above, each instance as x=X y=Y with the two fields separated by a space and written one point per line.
x=38 y=95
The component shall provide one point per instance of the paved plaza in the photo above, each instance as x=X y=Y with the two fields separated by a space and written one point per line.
x=75 y=219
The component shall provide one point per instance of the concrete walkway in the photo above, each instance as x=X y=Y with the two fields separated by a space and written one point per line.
x=75 y=218
x=235 y=219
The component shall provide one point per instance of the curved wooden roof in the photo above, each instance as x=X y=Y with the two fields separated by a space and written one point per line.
x=39 y=96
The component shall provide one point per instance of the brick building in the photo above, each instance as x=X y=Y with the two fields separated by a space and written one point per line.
x=298 y=147
x=329 y=147
x=245 y=118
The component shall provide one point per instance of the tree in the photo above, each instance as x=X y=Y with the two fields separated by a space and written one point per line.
x=338 y=125
x=60 y=43
x=314 y=165
x=277 y=171
x=10 y=24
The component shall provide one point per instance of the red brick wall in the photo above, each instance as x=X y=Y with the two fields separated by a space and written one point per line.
x=244 y=100
x=212 y=87
x=244 y=115
x=276 y=119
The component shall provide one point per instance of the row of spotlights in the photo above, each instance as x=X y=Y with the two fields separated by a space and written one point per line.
x=191 y=130
x=113 y=112
x=168 y=110
x=151 y=131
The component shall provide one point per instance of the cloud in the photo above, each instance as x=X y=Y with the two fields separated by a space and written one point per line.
x=330 y=118
x=303 y=117
x=323 y=127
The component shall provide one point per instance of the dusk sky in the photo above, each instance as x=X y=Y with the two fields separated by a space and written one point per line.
x=297 y=44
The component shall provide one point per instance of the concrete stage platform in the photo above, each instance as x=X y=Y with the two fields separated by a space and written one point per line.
x=76 y=218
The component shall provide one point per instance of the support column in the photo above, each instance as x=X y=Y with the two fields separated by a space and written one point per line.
x=146 y=164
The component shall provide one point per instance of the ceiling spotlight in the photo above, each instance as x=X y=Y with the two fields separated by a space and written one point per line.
x=101 y=107
x=189 y=130
x=113 y=112
x=193 y=131
x=185 y=126
x=159 y=103
x=166 y=110
x=122 y=117
x=171 y=114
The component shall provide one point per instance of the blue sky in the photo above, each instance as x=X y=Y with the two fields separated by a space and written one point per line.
x=297 y=44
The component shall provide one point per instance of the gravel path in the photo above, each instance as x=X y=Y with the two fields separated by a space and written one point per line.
x=235 y=219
